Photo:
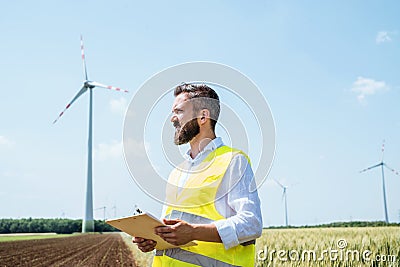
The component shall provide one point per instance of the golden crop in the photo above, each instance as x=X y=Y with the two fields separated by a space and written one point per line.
x=353 y=246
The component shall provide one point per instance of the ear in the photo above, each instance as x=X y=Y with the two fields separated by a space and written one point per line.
x=204 y=116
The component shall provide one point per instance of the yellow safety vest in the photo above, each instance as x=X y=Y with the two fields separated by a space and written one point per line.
x=195 y=203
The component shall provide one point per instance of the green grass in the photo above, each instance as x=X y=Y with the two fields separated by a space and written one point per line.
x=29 y=237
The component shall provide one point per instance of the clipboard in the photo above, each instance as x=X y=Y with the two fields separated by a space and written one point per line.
x=142 y=225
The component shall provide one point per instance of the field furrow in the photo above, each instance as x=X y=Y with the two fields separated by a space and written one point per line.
x=79 y=250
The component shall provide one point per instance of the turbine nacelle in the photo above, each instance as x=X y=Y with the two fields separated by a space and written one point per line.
x=88 y=84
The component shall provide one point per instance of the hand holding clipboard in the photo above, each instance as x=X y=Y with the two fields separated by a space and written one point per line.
x=142 y=225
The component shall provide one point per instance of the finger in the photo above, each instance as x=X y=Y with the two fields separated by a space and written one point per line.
x=147 y=248
x=147 y=242
x=163 y=229
x=171 y=222
x=137 y=239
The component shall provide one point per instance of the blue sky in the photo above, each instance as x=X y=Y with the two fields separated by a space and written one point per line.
x=328 y=70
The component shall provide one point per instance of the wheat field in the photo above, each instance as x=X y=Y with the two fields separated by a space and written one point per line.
x=358 y=246
x=353 y=246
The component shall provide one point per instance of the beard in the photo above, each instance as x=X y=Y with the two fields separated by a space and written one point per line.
x=187 y=132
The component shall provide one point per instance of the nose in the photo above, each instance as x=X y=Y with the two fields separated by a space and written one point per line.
x=173 y=118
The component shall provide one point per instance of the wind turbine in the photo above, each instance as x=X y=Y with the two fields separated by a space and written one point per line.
x=87 y=222
x=284 y=196
x=383 y=164
x=104 y=211
x=115 y=210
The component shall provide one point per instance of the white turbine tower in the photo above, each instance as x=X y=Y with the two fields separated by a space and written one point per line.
x=87 y=222
x=383 y=164
x=284 y=197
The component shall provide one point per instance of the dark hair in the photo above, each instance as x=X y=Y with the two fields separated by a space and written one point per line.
x=208 y=99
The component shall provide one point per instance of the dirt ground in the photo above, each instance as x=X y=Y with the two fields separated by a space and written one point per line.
x=79 y=250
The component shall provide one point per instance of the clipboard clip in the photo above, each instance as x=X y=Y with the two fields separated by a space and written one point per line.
x=137 y=211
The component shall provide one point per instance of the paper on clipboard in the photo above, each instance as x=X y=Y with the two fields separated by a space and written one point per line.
x=142 y=225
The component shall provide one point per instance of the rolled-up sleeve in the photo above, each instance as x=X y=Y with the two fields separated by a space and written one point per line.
x=239 y=204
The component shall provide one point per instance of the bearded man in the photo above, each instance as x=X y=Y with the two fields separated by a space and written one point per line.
x=210 y=196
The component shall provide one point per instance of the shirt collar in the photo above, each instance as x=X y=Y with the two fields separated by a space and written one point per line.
x=214 y=144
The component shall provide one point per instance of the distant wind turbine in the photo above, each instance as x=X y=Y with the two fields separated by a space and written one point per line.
x=115 y=210
x=104 y=211
x=383 y=164
x=284 y=197
x=87 y=222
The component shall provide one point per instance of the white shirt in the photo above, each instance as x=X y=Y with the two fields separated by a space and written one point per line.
x=239 y=205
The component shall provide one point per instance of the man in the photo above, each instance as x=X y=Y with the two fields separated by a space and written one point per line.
x=209 y=196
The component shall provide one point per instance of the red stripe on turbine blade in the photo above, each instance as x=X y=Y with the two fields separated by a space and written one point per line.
x=109 y=87
x=61 y=114
x=118 y=89
x=68 y=106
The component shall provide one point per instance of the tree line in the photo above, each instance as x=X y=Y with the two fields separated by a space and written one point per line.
x=342 y=224
x=68 y=226
x=59 y=226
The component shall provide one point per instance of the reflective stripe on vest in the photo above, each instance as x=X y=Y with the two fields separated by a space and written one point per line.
x=193 y=258
x=188 y=217
x=195 y=203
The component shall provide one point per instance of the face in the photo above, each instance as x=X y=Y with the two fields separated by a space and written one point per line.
x=184 y=121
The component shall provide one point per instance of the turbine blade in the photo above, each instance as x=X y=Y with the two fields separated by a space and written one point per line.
x=291 y=185
x=108 y=87
x=276 y=181
x=83 y=90
x=377 y=165
x=383 y=149
x=83 y=59
x=393 y=170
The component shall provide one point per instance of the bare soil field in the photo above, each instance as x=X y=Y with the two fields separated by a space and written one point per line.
x=79 y=250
